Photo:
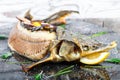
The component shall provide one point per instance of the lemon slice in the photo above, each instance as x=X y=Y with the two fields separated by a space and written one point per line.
x=94 y=58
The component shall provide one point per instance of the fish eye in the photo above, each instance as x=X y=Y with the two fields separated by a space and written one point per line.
x=85 y=48
x=94 y=47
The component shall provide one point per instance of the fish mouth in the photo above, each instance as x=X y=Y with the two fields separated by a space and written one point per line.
x=99 y=50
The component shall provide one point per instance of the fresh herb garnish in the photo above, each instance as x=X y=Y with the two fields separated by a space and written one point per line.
x=6 y=55
x=113 y=60
x=88 y=66
x=38 y=76
x=8 y=62
x=64 y=71
x=41 y=76
x=98 y=34
x=3 y=37
x=63 y=26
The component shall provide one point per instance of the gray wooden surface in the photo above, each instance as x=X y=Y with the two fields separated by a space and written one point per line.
x=14 y=71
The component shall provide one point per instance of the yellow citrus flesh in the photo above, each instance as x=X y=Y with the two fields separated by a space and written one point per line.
x=36 y=24
x=95 y=58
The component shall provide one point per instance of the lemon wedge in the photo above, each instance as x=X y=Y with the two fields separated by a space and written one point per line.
x=95 y=58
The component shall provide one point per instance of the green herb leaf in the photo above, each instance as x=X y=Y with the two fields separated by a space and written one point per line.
x=3 y=37
x=6 y=55
x=64 y=71
x=18 y=62
x=98 y=34
x=113 y=60
x=63 y=26
x=38 y=76
x=88 y=66
x=41 y=76
x=61 y=73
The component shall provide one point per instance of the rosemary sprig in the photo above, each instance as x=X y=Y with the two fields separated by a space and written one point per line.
x=6 y=55
x=3 y=37
x=98 y=34
x=64 y=71
x=38 y=76
x=41 y=76
x=8 y=62
x=61 y=73
x=88 y=66
x=113 y=60
x=63 y=26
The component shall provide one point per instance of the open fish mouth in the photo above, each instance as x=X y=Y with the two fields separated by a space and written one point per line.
x=100 y=49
